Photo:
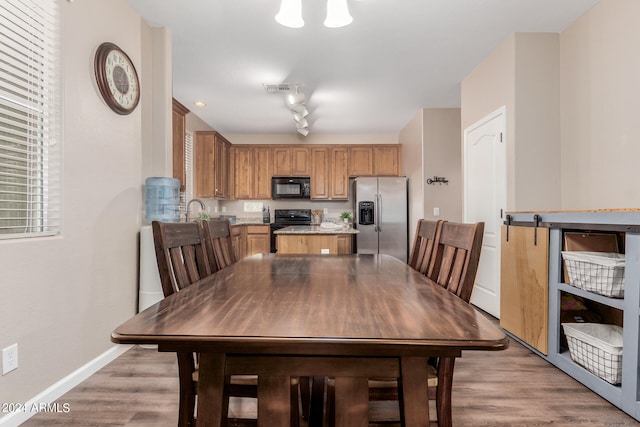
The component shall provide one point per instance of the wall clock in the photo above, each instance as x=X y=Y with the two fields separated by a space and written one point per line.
x=117 y=78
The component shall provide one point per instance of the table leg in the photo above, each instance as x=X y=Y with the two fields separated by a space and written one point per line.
x=274 y=403
x=351 y=402
x=211 y=390
x=413 y=392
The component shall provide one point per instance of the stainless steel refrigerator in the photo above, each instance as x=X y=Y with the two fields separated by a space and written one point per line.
x=381 y=216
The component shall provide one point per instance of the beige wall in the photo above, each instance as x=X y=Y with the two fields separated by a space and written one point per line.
x=411 y=138
x=442 y=157
x=600 y=87
x=63 y=296
x=522 y=75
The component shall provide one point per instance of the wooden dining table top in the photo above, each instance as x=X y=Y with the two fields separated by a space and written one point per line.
x=314 y=304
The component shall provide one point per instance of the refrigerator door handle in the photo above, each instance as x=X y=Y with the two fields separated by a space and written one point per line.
x=379 y=220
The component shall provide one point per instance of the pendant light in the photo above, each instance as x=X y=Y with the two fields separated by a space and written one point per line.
x=290 y=14
x=337 y=14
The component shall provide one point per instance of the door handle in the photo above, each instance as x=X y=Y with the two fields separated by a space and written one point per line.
x=379 y=198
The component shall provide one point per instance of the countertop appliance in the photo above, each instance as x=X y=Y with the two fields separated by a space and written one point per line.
x=381 y=216
x=287 y=217
x=294 y=187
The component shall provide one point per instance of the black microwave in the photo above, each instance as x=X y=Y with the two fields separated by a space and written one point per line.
x=295 y=187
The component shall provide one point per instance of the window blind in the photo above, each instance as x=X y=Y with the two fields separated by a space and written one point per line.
x=30 y=154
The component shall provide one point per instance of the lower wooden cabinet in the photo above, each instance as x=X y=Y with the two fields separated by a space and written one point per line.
x=524 y=284
x=329 y=244
x=249 y=239
x=258 y=239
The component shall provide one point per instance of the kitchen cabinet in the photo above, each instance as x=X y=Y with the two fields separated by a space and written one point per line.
x=524 y=284
x=239 y=240
x=300 y=161
x=243 y=171
x=258 y=241
x=263 y=174
x=319 y=173
x=212 y=153
x=339 y=173
x=252 y=172
x=329 y=173
x=374 y=160
x=625 y=223
x=361 y=160
x=179 y=112
x=290 y=160
x=222 y=161
x=282 y=160
x=344 y=244
x=386 y=160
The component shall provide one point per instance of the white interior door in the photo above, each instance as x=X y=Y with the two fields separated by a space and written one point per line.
x=485 y=195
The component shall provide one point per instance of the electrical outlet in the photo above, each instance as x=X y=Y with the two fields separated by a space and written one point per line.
x=436 y=211
x=9 y=359
x=324 y=251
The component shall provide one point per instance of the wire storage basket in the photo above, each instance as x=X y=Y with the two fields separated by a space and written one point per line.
x=598 y=272
x=596 y=347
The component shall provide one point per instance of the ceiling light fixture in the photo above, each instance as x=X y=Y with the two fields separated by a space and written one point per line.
x=296 y=103
x=290 y=14
x=337 y=14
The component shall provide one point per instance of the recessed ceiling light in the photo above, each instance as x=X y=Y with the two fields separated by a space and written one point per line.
x=199 y=104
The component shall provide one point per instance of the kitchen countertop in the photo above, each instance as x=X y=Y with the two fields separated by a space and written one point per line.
x=315 y=229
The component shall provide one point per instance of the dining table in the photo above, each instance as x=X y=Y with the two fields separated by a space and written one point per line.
x=345 y=317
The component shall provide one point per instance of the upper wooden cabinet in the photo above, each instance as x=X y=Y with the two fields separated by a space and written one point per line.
x=178 y=125
x=252 y=171
x=361 y=160
x=339 y=177
x=281 y=161
x=374 y=160
x=290 y=160
x=243 y=171
x=386 y=160
x=246 y=170
x=329 y=173
x=212 y=154
x=319 y=172
x=263 y=173
x=300 y=161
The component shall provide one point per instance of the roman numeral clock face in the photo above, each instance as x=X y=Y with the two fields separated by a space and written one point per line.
x=116 y=78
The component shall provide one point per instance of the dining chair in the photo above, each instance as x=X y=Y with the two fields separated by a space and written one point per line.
x=217 y=233
x=453 y=265
x=424 y=242
x=183 y=258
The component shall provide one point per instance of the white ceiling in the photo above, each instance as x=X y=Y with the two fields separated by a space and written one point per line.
x=397 y=57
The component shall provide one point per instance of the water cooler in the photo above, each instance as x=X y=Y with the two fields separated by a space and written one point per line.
x=162 y=203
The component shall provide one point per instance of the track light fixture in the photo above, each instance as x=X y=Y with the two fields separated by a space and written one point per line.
x=296 y=103
x=290 y=14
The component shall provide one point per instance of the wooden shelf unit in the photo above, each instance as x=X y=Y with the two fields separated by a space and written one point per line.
x=626 y=222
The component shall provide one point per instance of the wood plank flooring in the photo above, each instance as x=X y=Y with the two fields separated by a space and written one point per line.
x=511 y=388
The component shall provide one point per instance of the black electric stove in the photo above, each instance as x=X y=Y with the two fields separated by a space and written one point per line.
x=287 y=217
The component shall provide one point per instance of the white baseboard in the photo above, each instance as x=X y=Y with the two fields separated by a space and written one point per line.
x=54 y=392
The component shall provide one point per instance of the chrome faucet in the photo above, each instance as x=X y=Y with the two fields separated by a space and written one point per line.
x=202 y=206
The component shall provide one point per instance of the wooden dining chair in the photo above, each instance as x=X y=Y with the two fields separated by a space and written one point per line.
x=183 y=258
x=217 y=233
x=453 y=265
x=424 y=242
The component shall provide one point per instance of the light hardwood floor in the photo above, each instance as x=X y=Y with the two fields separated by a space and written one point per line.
x=502 y=389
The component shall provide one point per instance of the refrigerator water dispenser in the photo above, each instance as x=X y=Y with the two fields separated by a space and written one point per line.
x=365 y=213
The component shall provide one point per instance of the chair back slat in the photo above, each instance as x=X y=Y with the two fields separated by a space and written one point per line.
x=180 y=253
x=423 y=244
x=217 y=233
x=455 y=261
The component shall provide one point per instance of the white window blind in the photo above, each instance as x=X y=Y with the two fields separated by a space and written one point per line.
x=188 y=167
x=30 y=151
